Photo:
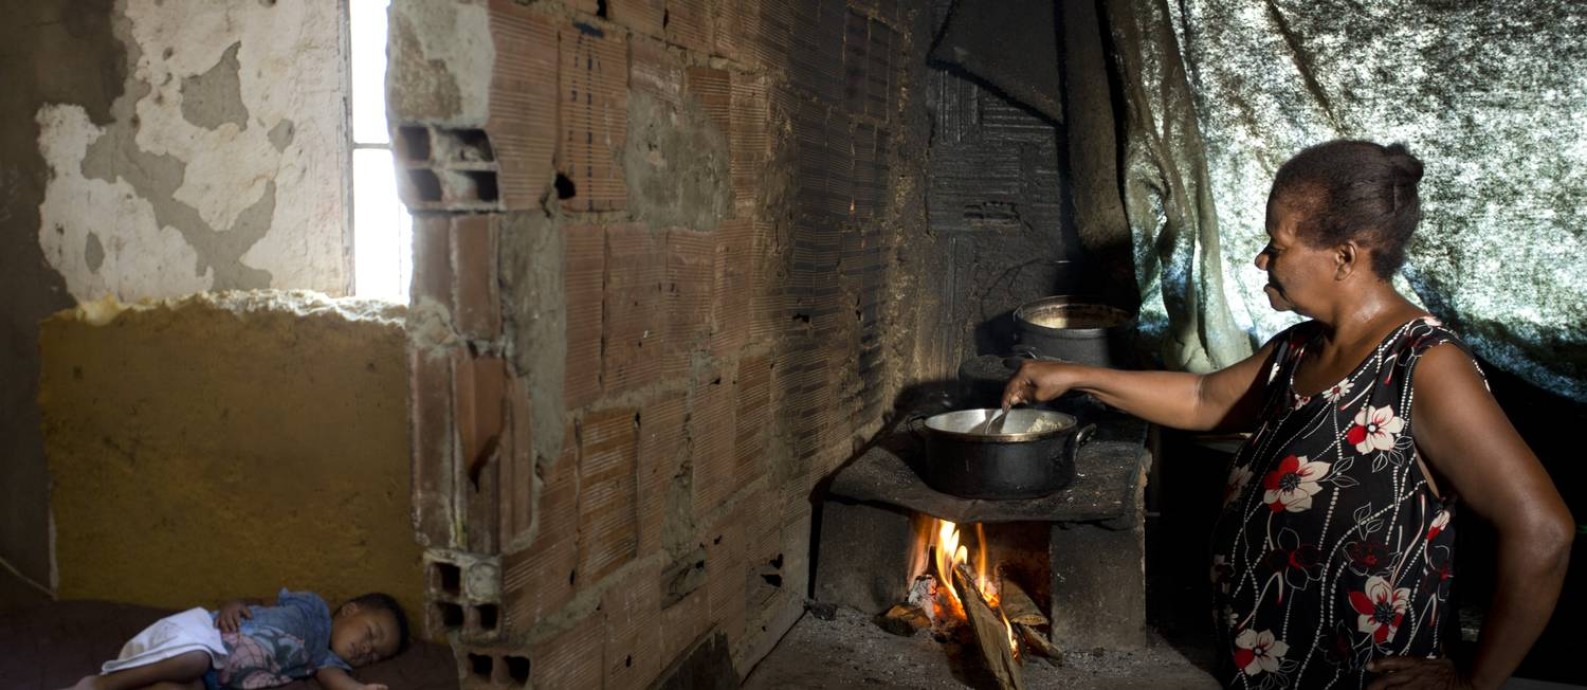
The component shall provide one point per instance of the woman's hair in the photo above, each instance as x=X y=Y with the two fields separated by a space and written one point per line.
x=1355 y=190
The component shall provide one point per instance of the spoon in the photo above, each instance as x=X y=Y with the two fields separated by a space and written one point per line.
x=998 y=416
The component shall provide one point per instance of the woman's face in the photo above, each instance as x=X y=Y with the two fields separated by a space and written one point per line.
x=1299 y=276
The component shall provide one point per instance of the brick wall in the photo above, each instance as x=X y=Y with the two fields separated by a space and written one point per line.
x=661 y=288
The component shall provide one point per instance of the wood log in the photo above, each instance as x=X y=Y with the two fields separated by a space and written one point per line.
x=990 y=635
x=1017 y=606
x=1037 y=642
x=904 y=620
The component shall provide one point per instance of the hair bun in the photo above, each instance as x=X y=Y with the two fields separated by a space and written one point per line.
x=1407 y=165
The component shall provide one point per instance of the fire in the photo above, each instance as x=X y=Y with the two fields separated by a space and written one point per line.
x=948 y=553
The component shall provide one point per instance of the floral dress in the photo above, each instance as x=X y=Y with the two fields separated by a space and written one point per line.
x=1332 y=550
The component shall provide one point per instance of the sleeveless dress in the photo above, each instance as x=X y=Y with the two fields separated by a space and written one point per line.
x=1331 y=549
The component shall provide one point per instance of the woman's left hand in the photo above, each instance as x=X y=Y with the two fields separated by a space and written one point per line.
x=1413 y=673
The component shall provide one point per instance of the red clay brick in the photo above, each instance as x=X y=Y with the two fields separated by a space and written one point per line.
x=683 y=623
x=635 y=322
x=689 y=25
x=432 y=264
x=661 y=449
x=594 y=97
x=518 y=465
x=632 y=609
x=654 y=70
x=571 y=659
x=735 y=28
x=430 y=395
x=714 y=89
x=686 y=294
x=773 y=33
x=584 y=276
x=711 y=427
x=479 y=401
x=749 y=141
x=726 y=570
x=476 y=310
x=754 y=415
x=523 y=103
x=608 y=493
x=734 y=287
x=539 y=579
x=643 y=16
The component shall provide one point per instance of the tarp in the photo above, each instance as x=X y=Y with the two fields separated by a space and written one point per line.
x=1491 y=96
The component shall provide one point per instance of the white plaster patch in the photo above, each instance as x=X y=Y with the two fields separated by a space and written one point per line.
x=141 y=258
x=456 y=34
x=291 y=69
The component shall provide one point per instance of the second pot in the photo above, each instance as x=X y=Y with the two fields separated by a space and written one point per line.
x=1033 y=456
x=1072 y=330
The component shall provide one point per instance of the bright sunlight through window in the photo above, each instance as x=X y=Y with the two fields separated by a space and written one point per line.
x=382 y=229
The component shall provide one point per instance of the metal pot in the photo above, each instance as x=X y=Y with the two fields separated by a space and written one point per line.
x=1033 y=455
x=1073 y=330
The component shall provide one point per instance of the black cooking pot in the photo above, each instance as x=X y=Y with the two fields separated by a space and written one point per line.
x=1073 y=330
x=1032 y=454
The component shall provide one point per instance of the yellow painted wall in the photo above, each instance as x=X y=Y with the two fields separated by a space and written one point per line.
x=228 y=445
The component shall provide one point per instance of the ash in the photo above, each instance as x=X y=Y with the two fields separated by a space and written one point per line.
x=851 y=650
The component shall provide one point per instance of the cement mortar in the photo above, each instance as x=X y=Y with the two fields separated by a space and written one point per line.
x=675 y=163
x=535 y=326
x=441 y=61
x=228 y=445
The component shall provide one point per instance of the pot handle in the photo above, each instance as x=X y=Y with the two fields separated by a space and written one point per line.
x=1085 y=434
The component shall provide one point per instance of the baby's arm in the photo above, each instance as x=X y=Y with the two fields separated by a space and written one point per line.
x=336 y=679
x=231 y=613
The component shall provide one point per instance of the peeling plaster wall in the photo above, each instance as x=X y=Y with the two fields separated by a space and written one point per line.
x=222 y=165
x=154 y=149
x=269 y=429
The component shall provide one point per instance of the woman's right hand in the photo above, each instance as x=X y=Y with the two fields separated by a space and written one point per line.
x=229 y=619
x=1037 y=381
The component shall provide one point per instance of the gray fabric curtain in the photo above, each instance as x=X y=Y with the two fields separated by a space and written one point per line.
x=1492 y=97
x=1167 y=196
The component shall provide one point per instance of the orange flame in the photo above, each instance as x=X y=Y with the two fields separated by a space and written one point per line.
x=948 y=553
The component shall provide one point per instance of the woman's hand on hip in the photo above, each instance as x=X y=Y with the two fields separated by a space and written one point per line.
x=1413 y=673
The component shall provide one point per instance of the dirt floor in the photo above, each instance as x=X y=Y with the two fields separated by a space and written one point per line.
x=850 y=650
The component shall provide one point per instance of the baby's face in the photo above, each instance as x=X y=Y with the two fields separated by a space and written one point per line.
x=362 y=636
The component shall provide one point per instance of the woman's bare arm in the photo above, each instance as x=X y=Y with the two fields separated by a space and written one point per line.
x=1470 y=445
x=1225 y=399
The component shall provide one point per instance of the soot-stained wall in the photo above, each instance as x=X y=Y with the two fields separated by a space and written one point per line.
x=667 y=260
x=154 y=149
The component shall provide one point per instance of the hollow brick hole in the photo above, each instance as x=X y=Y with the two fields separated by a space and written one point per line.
x=424 y=185
x=448 y=577
x=517 y=669
x=488 y=616
x=464 y=146
x=481 y=665
x=413 y=144
x=451 y=615
x=484 y=184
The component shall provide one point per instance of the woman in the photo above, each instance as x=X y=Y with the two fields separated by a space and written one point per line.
x=1371 y=424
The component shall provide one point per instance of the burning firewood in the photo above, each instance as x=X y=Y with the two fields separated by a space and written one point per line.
x=1017 y=606
x=991 y=634
x=1036 y=641
x=904 y=620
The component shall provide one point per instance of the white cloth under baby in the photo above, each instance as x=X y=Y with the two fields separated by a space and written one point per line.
x=189 y=631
